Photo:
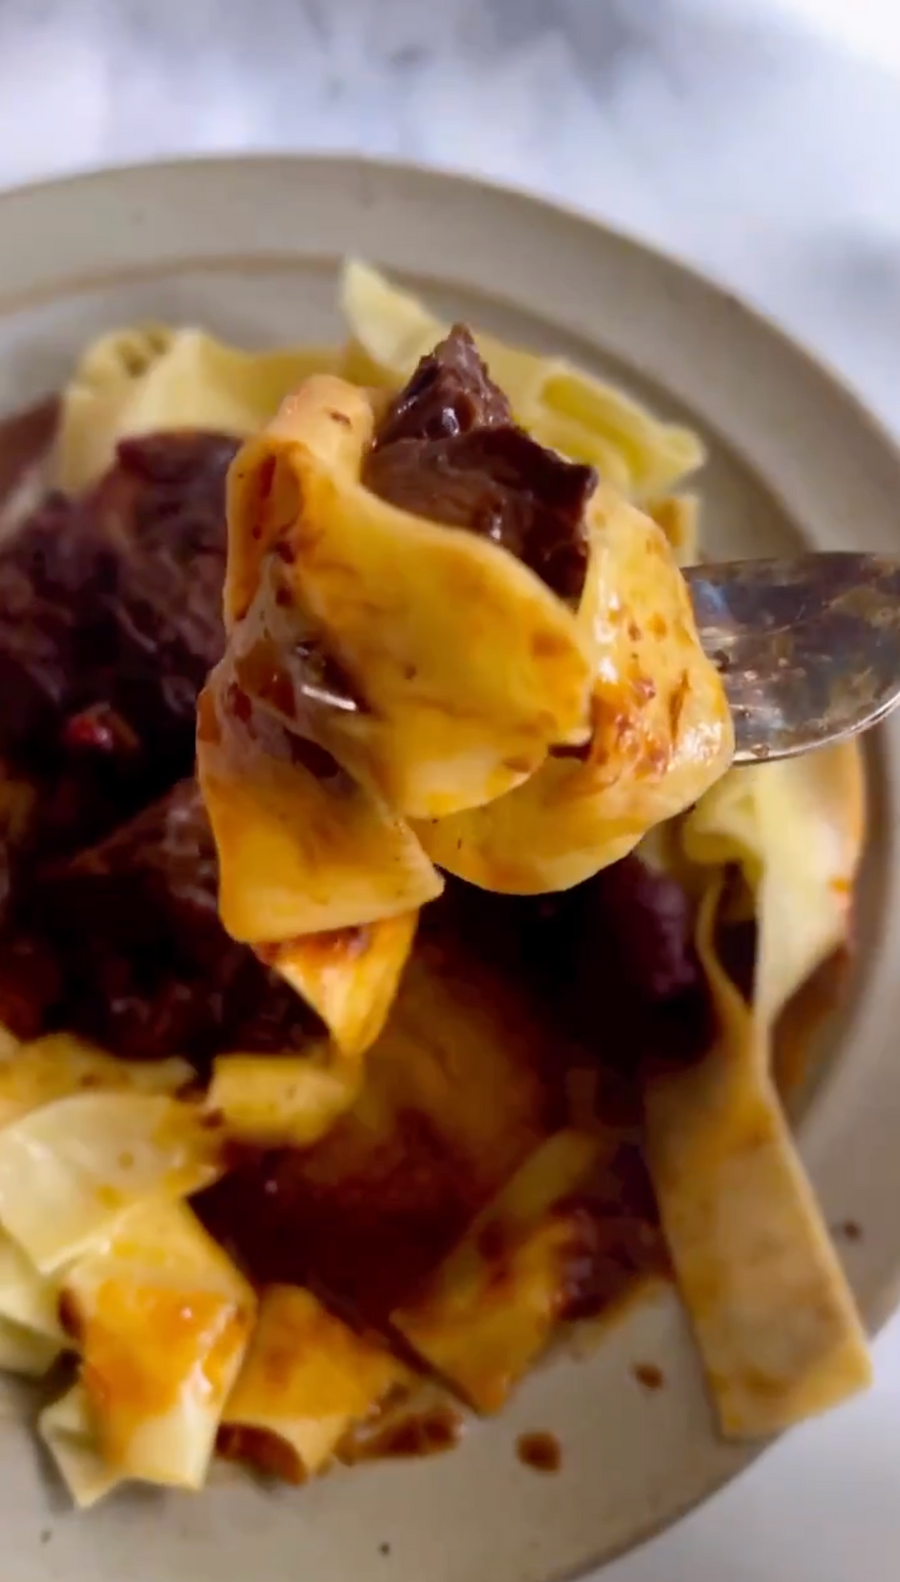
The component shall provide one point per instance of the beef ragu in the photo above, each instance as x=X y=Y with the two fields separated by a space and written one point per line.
x=329 y=1235
x=109 y=621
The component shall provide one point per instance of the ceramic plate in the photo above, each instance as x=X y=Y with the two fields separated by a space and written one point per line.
x=250 y=249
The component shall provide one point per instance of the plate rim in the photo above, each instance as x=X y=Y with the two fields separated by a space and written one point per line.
x=755 y=315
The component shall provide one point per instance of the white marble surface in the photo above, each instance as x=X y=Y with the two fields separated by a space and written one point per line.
x=719 y=129
x=701 y=124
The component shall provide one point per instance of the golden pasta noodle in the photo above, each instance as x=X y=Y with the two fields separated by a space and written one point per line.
x=161 y=1318
x=495 y=1302
x=306 y=1380
x=773 y=1314
x=69 y=1170
x=68 y=1431
x=662 y=733
x=153 y=378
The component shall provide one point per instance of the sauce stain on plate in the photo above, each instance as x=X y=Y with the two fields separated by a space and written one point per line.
x=540 y=1451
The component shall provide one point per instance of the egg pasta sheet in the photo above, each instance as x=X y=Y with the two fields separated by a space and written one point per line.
x=494 y=1304
x=152 y=378
x=69 y=1434
x=161 y=1318
x=306 y=1380
x=34 y=1077
x=774 y=1317
x=661 y=732
x=99 y=1258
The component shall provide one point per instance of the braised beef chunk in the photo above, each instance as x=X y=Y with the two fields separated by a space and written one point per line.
x=631 y=971
x=448 y=449
x=651 y=918
x=123 y=945
x=43 y=569
x=614 y=957
x=110 y=619
x=31 y=983
x=451 y=392
x=614 y=1234
x=114 y=600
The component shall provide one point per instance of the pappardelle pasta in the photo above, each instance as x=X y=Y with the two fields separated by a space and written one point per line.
x=439 y=1012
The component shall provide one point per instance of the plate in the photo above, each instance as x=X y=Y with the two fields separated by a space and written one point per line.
x=250 y=248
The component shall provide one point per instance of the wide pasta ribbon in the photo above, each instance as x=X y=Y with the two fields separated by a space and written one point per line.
x=101 y=1258
x=482 y=1329
x=160 y=1319
x=35 y=1080
x=307 y=1379
x=152 y=378
x=773 y=1314
x=661 y=732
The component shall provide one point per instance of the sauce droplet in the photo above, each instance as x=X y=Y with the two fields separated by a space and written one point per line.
x=649 y=1375
x=423 y=1434
x=849 y=1229
x=542 y=1452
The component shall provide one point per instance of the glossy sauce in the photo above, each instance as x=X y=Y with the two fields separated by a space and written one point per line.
x=264 y=1451
x=368 y=1213
x=649 y=1375
x=542 y=1452
x=428 y=1433
x=849 y=1229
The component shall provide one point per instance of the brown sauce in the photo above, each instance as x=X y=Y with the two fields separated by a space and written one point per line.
x=649 y=1375
x=616 y=1238
x=264 y=1451
x=429 y=1433
x=367 y=1214
x=540 y=1451
x=848 y=1230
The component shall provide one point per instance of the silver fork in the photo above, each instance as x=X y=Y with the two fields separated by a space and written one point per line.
x=808 y=649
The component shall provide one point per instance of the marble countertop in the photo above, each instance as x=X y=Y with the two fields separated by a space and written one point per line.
x=726 y=131
x=716 y=128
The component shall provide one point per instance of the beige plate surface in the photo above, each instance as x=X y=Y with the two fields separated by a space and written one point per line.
x=250 y=249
